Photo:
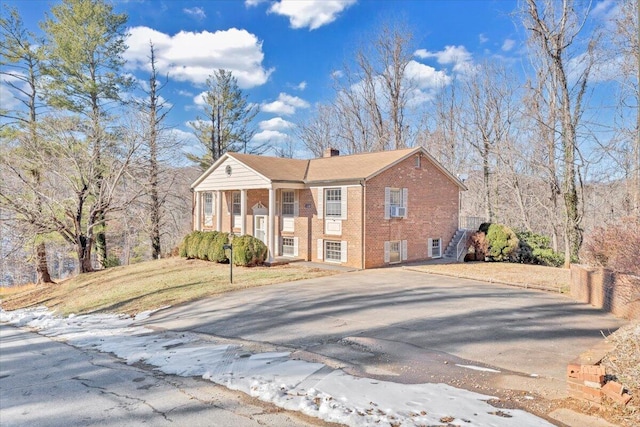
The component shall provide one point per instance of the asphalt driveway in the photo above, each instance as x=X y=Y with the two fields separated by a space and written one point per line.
x=394 y=322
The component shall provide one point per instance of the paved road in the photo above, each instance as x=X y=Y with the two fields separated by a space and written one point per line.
x=388 y=321
x=48 y=383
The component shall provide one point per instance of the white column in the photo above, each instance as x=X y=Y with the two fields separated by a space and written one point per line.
x=197 y=217
x=272 y=224
x=243 y=212
x=218 y=210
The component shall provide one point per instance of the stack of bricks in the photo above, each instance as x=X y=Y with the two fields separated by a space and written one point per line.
x=587 y=382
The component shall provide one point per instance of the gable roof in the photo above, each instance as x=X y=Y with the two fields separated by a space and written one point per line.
x=362 y=166
x=274 y=168
x=354 y=166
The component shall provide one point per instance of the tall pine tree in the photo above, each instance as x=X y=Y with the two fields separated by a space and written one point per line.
x=226 y=125
x=85 y=41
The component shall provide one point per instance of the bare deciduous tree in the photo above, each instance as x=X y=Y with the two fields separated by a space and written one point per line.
x=553 y=30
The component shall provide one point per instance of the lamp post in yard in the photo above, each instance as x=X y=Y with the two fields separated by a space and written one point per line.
x=230 y=247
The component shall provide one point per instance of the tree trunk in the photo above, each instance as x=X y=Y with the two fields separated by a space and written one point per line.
x=42 y=269
x=83 y=248
x=486 y=176
x=101 y=241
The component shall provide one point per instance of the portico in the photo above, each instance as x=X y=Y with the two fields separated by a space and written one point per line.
x=232 y=197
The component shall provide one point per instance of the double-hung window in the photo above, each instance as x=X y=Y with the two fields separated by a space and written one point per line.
x=333 y=202
x=235 y=205
x=288 y=202
x=395 y=197
x=395 y=202
x=394 y=252
x=332 y=251
x=289 y=246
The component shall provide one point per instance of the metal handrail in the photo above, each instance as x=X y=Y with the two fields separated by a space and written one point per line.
x=462 y=239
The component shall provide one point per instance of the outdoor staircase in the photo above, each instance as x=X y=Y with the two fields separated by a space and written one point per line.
x=451 y=252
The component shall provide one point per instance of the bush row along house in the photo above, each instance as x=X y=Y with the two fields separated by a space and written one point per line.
x=362 y=211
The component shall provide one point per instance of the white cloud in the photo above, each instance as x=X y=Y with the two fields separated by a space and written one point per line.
x=9 y=100
x=483 y=38
x=251 y=3
x=199 y=99
x=196 y=12
x=508 y=45
x=310 y=13
x=285 y=104
x=302 y=85
x=277 y=124
x=458 y=56
x=425 y=76
x=9 y=95
x=185 y=93
x=272 y=136
x=192 y=57
x=337 y=74
x=604 y=7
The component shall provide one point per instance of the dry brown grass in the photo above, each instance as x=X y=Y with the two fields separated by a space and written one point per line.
x=148 y=285
x=531 y=276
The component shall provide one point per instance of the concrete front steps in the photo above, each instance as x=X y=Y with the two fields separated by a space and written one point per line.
x=450 y=252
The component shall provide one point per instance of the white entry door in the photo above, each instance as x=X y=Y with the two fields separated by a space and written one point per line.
x=260 y=228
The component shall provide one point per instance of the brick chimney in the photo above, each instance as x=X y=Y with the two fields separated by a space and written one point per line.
x=331 y=152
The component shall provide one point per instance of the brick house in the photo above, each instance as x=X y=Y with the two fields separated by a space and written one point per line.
x=362 y=211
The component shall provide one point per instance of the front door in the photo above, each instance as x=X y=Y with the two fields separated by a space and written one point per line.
x=260 y=228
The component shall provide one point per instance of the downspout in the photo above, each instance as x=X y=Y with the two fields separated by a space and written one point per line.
x=363 y=223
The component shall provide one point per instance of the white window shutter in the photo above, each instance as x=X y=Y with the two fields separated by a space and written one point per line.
x=387 y=251
x=320 y=204
x=296 y=204
x=343 y=251
x=214 y=203
x=405 y=201
x=387 y=201
x=343 y=202
x=404 y=250
x=295 y=246
x=430 y=248
x=320 y=249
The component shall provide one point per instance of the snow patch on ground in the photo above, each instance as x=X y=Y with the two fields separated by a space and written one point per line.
x=478 y=368
x=311 y=388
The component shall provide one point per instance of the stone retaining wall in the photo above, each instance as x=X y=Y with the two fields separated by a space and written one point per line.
x=614 y=292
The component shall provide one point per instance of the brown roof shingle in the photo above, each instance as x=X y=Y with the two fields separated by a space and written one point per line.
x=355 y=166
x=274 y=168
x=324 y=169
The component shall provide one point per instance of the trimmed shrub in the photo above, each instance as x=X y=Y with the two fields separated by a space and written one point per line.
x=502 y=242
x=194 y=244
x=182 y=251
x=248 y=251
x=205 y=243
x=216 y=251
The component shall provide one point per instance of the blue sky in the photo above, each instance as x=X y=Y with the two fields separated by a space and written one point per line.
x=284 y=52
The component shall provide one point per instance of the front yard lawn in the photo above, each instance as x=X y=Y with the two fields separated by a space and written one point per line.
x=148 y=285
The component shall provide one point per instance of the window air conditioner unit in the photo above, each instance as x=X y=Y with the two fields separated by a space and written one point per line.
x=398 y=211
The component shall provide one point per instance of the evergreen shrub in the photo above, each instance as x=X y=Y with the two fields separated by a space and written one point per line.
x=502 y=242
x=216 y=251
x=248 y=251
